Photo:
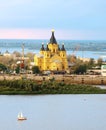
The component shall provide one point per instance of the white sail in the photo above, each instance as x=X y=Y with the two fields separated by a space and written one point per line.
x=18 y=115
x=21 y=117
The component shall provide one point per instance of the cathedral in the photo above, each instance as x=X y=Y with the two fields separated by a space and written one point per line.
x=51 y=57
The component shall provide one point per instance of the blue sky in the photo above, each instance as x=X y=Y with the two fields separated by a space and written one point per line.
x=71 y=19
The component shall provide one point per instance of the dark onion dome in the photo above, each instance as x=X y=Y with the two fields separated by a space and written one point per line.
x=63 y=49
x=52 y=39
x=58 y=48
x=42 y=48
x=47 y=49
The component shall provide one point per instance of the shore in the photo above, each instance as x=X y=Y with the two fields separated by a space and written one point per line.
x=68 y=79
x=51 y=86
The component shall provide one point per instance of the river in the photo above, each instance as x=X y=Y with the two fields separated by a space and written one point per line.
x=54 y=112
x=80 y=48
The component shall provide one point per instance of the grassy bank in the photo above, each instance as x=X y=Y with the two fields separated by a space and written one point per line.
x=22 y=87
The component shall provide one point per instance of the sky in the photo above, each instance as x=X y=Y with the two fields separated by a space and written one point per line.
x=71 y=19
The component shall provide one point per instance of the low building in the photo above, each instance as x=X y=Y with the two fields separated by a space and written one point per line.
x=84 y=59
x=103 y=70
x=7 y=54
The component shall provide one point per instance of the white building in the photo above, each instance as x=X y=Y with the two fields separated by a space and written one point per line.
x=7 y=54
x=103 y=70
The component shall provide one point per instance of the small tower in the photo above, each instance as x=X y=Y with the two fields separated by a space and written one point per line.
x=63 y=51
x=42 y=49
x=47 y=49
x=58 y=48
x=64 y=57
x=63 y=48
x=47 y=52
x=47 y=55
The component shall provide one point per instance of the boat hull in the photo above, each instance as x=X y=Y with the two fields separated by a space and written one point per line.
x=21 y=119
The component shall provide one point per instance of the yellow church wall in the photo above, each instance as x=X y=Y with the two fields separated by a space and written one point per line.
x=38 y=62
x=35 y=60
x=56 y=57
x=47 y=54
x=48 y=63
x=53 y=48
x=63 y=54
x=56 y=66
x=42 y=52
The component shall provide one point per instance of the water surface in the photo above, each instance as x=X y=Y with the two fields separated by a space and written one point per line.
x=54 y=112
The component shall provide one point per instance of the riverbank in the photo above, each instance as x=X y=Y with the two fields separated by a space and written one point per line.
x=26 y=87
x=68 y=79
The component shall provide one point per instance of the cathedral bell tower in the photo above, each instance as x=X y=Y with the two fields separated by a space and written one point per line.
x=42 y=50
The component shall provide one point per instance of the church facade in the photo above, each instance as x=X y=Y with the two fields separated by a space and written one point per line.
x=51 y=56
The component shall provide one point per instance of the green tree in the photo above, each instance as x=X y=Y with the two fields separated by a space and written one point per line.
x=35 y=70
x=81 y=69
x=17 y=69
x=2 y=67
x=99 y=62
x=91 y=63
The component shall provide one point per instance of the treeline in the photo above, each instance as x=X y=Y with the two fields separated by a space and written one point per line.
x=46 y=87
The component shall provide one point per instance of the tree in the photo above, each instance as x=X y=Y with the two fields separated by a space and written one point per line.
x=35 y=70
x=91 y=63
x=30 y=55
x=17 y=54
x=81 y=69
x=2 y=67
x=99 y=62
x=17 y=69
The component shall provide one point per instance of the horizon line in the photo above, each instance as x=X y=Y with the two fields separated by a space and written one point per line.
x=49 y=39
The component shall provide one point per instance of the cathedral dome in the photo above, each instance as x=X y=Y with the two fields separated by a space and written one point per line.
x=53 y=39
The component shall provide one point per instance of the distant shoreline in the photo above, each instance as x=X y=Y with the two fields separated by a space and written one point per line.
x=85 y=47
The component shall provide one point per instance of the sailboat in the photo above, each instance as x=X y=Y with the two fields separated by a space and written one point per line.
x=21 y=117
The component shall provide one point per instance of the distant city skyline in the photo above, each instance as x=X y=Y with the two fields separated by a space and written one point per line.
x=71 y=19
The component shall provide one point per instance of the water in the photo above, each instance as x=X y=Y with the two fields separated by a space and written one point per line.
x=54 y=112
x=82 y=48
x=101 y=86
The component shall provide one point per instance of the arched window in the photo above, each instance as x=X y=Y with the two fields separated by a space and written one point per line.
x=47 y=55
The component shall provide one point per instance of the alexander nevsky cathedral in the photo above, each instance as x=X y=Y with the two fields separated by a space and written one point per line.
x=51 y=57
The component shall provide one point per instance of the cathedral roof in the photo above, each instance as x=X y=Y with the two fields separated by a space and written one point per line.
x=42 y=48
x=47 y=49
x=53 y=39
x=58 y=48
x=63 y=48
